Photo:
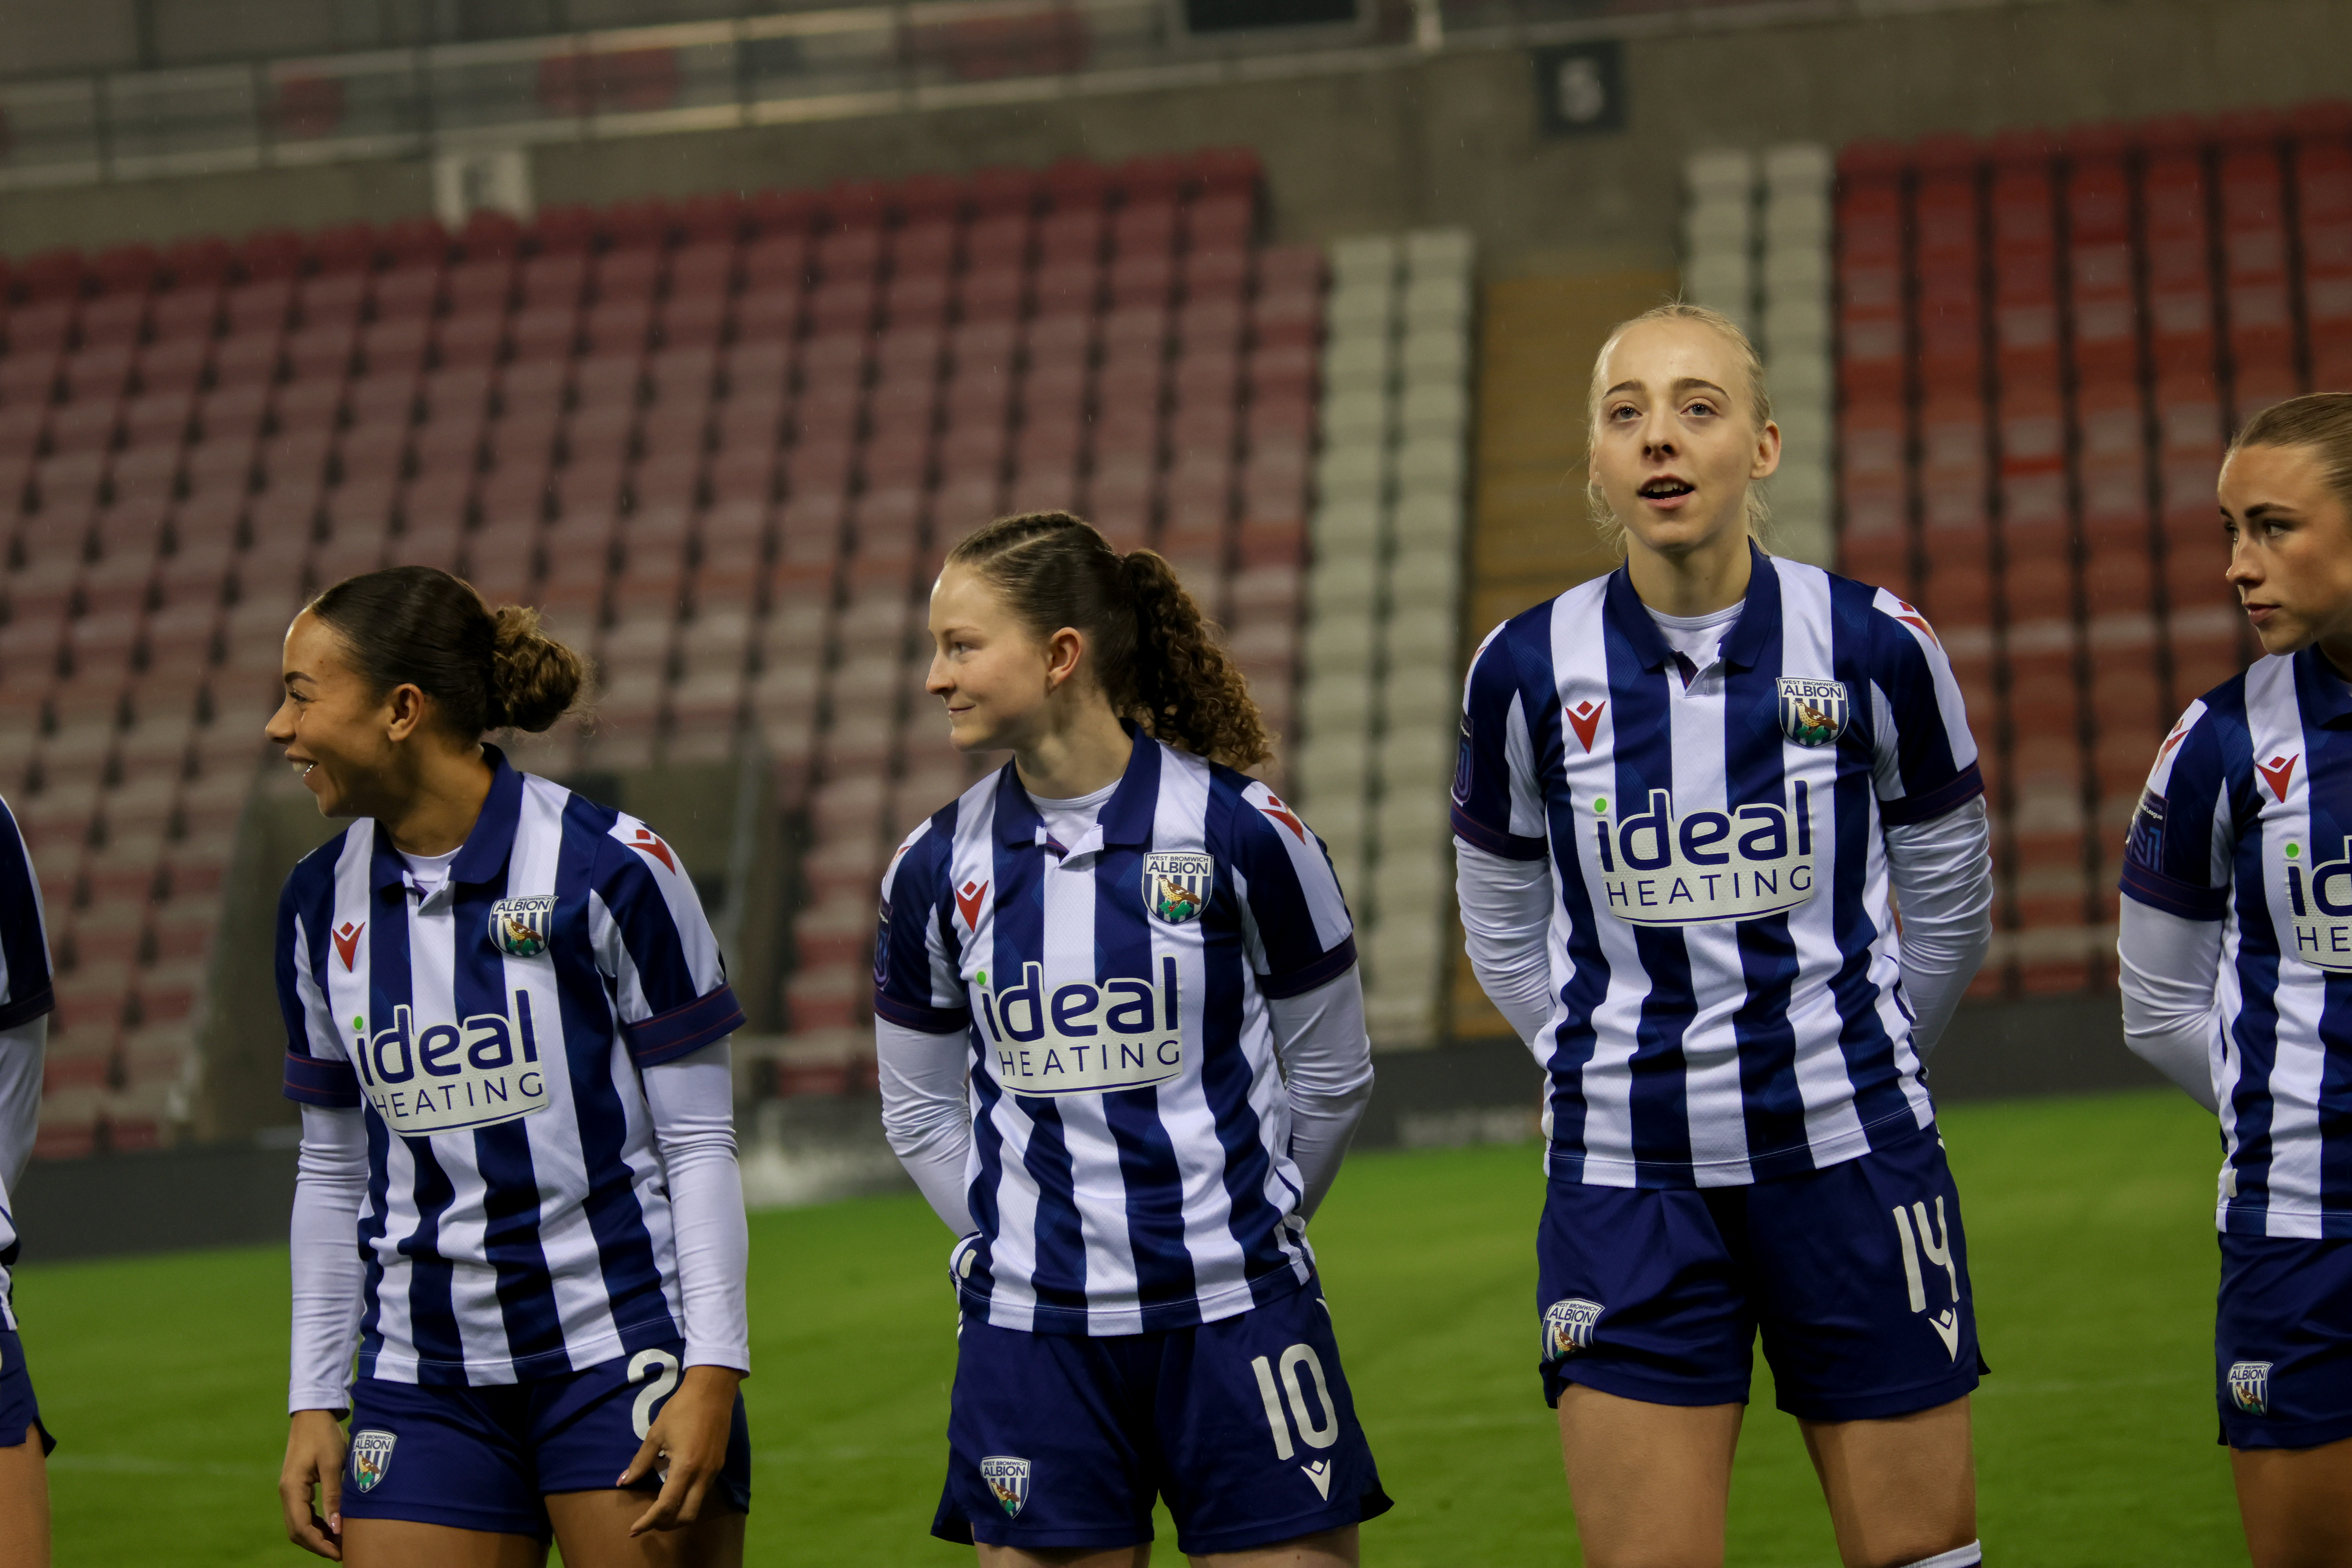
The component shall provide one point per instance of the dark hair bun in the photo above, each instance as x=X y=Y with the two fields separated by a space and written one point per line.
x=533 y=679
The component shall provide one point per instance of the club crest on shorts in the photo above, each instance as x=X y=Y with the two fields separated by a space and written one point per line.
x=519 y=926
x=1568 y=1326
x=2249 y=1386
x=1008 y=1481
x=1812 y=712
x=1176 y=886
x=370 y=1456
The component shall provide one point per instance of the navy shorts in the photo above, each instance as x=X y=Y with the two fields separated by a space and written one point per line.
x=19 y=1410
x=2283 y=1341
x=1245 y=1425
x=483 y=1459
x=1857 y=1276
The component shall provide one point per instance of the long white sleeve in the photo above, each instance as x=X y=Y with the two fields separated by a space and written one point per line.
x=1942 y=873
x=1505 y=926
x=329 y=1183
x=2169 y=965
x=924 y=1113
x=22 y=1051
x=1326 y=1064
x=693 y=1104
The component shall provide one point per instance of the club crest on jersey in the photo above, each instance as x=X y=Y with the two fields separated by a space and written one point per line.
x=519 y=926
x=370 y=1456
x=1812 y=712
x=1008 y=1481
x=1568 y=1326
x=1176 y=885
x=2249 y=1386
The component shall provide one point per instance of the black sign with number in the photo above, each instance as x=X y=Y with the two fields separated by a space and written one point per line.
x=1580 y=87
x=1249 y=15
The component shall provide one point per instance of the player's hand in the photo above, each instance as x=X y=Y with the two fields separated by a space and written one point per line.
x=692 y=1432
x=314 y=1457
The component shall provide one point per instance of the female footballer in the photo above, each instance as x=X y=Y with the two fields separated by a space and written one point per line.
x=2236 y=943
x=518 y=1199
x=28 y=997
x=1686 y=791
x=1122 y=1051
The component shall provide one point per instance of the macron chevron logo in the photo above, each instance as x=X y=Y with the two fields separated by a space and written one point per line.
x=347 y=944
x=1285 y=816
x=969 y=898
x=650 y=842
x=1584 y=718
x=2277 y=772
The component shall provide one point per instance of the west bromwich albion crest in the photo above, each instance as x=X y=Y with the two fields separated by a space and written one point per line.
x=1812 y=712
x=1176 y=886
x=1568 y=1326
x=2249 y=1386
x=370 y=1456
x=1008 y=1480
x=519 y=926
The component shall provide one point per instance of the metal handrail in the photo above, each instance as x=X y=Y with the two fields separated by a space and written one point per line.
x=849 y=62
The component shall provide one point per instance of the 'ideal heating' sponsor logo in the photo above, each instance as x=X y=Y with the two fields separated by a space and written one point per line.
x=2319 y=898
x=475 y=1072
x=1084 y=1037
x=1660 y=869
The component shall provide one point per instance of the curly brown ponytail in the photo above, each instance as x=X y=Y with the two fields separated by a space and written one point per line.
x=1158 y=658
x=486 y=669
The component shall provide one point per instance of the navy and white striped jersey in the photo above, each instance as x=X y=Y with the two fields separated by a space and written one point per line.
x=1130 y=1169
x=517 y=1222
x=1726 y=1004
x=26 y=992
x=2247 y=820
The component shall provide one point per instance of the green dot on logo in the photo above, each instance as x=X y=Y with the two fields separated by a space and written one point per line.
x=1600 y=802
x=359 y=1023
x=983 y=977
x=2293 y=850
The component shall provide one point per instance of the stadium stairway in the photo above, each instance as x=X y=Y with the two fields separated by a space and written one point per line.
x=723 y=443
x=1379 y=699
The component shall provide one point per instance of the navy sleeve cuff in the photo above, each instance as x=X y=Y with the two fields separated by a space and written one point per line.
x=915 y=1016
x=1509 y=846
x=1330 y=966
x=25 y=1009
x=314 y=1080
x=2158 y=891
x=682 y=1031
x=1925 y=806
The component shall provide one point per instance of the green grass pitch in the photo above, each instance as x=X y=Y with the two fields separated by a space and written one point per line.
x=2094 y=1262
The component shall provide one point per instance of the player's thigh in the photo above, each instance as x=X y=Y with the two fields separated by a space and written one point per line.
x=408 y=1543
x=1862 y=1285
x=593 y=1529
x=1260 y=1446
x=1649 y=1482
x=1049 y=1446
x=1328 y=1549
x=1067 y=1557
x=1900 y=1488
x=2296 y=1504
x=584 y=1430
x=24 y=1503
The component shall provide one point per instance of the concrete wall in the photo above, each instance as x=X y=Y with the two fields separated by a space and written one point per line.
x=1453 y=138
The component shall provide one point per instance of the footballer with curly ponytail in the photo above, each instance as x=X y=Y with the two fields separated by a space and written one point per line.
x=1155 y=657
x=455 y=1015
x=1131 y=961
